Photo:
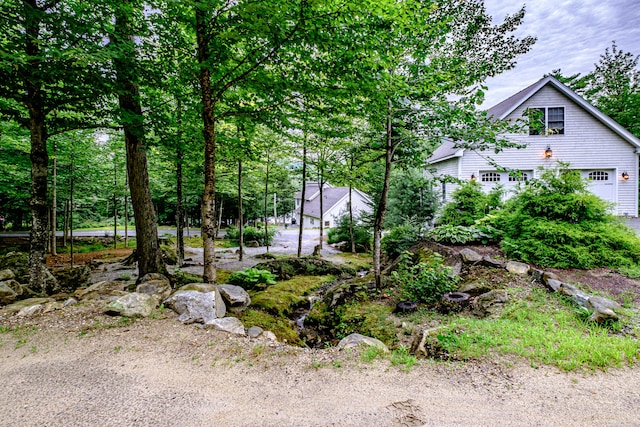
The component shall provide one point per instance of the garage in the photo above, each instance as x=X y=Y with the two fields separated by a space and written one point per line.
x=602 y=183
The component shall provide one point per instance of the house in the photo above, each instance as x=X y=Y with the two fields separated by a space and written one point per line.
x=568 y=129
x=335 y=204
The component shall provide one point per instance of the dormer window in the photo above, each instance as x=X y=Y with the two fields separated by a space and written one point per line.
x=546 y=121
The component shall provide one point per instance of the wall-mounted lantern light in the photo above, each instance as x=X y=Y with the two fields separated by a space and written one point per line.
x=625 y=176
x=473 y=177
x=548 y=152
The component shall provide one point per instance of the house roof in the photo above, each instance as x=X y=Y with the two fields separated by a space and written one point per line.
x=502 y=110
x=331 y=196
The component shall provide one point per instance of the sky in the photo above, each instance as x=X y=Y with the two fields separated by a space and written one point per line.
x=572 y=34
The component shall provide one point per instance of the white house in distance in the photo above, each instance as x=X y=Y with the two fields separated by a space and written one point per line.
x=574 y=132
x=335 y=204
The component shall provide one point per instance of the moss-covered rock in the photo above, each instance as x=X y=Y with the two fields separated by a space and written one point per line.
x=285 y=268
x=282 y=327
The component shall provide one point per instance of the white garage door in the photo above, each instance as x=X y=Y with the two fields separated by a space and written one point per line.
x=602 y=183
x=508 y=180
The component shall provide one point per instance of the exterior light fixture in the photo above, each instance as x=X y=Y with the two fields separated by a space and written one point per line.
x=625 y=176
x=548 y=152
x=473 y=177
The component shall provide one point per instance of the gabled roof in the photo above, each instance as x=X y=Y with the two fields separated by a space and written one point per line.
x=331 y=196
x=502 y=110
x=506 y=107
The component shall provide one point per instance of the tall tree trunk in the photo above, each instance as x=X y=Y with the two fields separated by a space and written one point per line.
x=303 y=194
x=54 y=202
x=240 y=214
x=115 y=203
x=351 y=233
x=147 y=248
x=266 y=192
x=179 y=206
x=71 y=211
x=126 y=212
x=321 y=213
x=39 y=156
x=382 y=203
x=209 y=133
x=65 y=226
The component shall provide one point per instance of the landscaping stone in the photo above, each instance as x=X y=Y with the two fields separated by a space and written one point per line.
x=133 y=305
x=6 y=274
x=7 y=295
x=355 y=340
x=553 y=284
x=578 y=296
x=31 y=310
x=231 y=325
x=490 y=304
x=235 y=297
x=516 y=267
x=105 y=290
x=194 y=306
x=492 y=262
x=156 y=285
x=469 y=256
x=200 y=287
x=254 y=331
x=19 y=305
x=71 y=278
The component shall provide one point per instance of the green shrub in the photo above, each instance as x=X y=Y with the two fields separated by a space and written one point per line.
x=252 y=234
x=554 y=221
x=461 y=235
x=400 y=239
x=469 y=204
x=361 y=235
x=425 y=281
x=252 y=278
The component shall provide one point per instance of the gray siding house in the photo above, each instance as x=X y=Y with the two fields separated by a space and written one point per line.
x=335 y=203
x=570 y=130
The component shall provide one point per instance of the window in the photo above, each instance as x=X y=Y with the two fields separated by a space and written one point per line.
x=519 y=177
x=490 y=177
x=546 y=121
x=598 y=176
x=327 y=223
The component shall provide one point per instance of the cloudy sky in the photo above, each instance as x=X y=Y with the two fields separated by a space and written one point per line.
x=572 y=34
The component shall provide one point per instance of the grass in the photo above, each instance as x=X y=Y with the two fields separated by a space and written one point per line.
x=543 y=329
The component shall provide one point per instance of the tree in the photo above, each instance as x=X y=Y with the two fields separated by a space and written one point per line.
x=123 y=44
x=613 y=86
x=408 y=61
x=51 y=77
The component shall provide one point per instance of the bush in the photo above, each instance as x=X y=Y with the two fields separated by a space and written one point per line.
x=469 y=204
x=252 y=234
x=361 y=235
x=425 y=281
x=554 y=221
x=399 y=240
x=461 y=235
x=252 y=278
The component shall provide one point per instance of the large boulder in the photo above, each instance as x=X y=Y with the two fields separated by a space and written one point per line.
x=235 y=297
x=356 y=340
x=285 y=268
x=231 y=325
x=194 y=306
x=156 y=285
x=71 y=278
x=200 y=287
x=105 y=290
x=134 y=304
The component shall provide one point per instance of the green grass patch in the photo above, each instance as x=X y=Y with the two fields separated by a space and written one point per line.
x=286 y=295
x=544 y=330
x=282 y=327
